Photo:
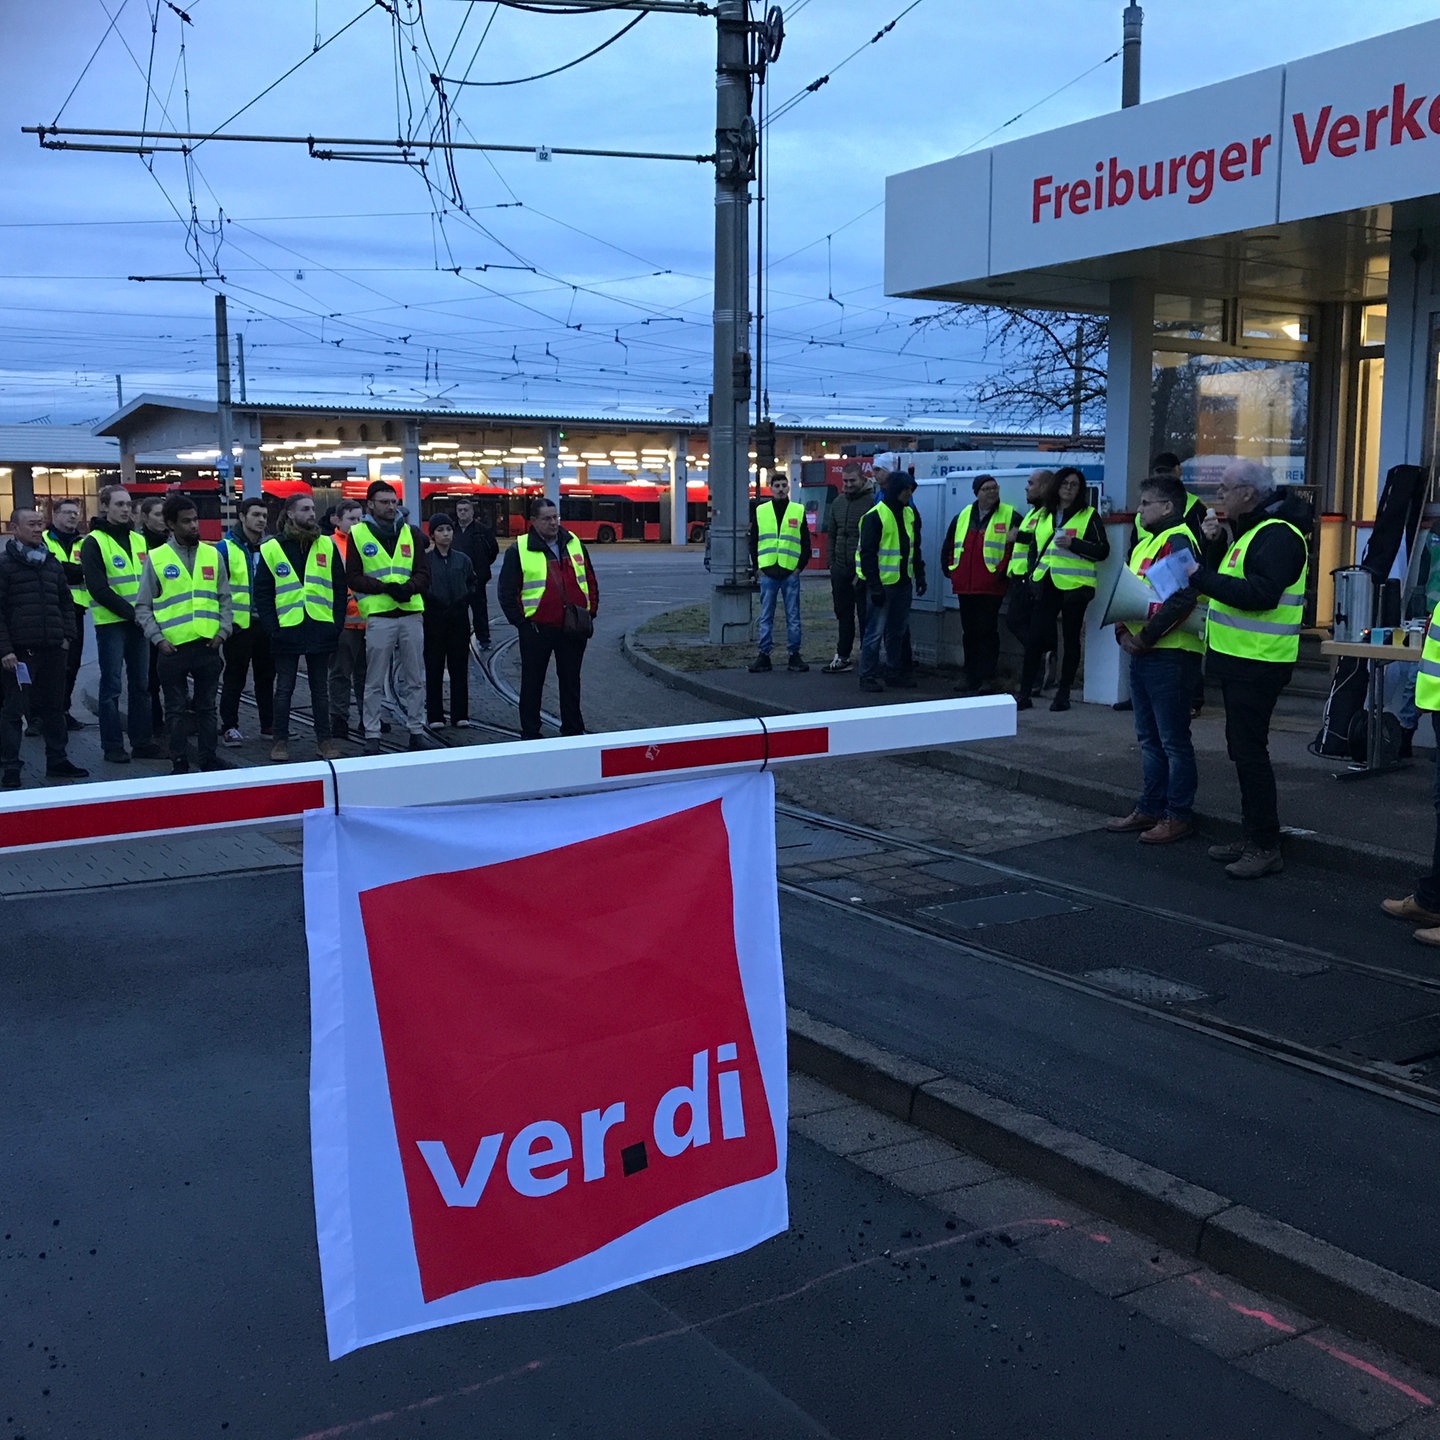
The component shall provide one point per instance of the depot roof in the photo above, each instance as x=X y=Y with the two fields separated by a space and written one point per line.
x=1280 y=182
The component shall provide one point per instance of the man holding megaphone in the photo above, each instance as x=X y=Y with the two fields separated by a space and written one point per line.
x=1165 y=657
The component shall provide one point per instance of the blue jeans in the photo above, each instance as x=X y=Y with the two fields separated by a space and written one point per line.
x=1400 y=693
x=789 y=587
x=890 y=621
x=1162 y=689
x=124 y=654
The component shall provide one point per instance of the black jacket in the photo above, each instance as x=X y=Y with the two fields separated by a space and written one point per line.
x=309 y=637
x=97 y=578
x=452 y=583
x=478 y=542
x=36 y=611
x=870 y=548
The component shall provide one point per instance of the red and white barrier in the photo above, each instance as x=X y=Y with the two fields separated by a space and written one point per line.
x=126 y=809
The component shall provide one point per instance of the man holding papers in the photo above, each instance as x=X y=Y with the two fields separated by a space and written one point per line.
x=1164 y=668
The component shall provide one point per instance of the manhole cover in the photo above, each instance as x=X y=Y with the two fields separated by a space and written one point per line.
x=1003 y=909
x=796 y=843
x=1281 y=961
x=1142 y=985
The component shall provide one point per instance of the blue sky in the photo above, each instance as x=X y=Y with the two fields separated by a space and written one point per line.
x=340 y=275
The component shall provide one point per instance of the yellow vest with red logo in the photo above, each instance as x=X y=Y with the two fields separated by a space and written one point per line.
x=387 y=569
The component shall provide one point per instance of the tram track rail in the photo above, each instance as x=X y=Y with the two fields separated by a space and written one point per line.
x=1377 y=1077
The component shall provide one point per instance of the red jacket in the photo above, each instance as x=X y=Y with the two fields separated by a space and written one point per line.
x=971 y=576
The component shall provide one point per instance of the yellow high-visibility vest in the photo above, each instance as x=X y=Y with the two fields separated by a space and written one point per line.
x=78 y=593
x=535 y=570
x=122 y=569
x=299 y=596
x=187 y=600
x=887 y=556
x=778 y=545
x=387 y=569
x=1065 y=568
x=1146 y=549
x=992 y=544
x=1272 y=635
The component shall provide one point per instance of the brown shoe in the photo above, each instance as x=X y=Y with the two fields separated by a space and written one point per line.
x=1254 y=863
x=330 y=750
x=280 y=750
x=1133 y=821
x=1410 y=909
x=1430 y=936
x=1167 y=832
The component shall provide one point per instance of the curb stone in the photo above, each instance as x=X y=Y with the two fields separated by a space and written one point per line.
x=1335 y=1286
x=1350 y=857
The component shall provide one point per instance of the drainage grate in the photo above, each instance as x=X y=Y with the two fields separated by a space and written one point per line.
x=1281 y=961
x=1003 y=909
x=1142 y=985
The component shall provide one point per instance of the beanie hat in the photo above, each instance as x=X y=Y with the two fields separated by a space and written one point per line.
x=897 y=482
x=437 y=519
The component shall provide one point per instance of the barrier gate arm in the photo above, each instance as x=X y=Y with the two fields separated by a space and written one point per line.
x=514 y=770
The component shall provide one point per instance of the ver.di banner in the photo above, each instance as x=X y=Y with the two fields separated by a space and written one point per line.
x=548 y=1048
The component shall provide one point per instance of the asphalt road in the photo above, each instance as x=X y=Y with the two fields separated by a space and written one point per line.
x=158 y=1270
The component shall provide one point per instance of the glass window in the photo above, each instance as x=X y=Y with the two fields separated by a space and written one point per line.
x=1188 y=318
x=1293 y=325
x=1372 y=325
x=1370 y=381
x=1211 y=409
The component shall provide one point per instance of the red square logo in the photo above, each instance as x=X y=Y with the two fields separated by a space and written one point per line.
x=322 y=560
x=207 y=572
x=568 y=1052
x=405 y=549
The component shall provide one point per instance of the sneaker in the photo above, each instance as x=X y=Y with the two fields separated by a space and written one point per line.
x=434 y=725
x=1410 y=909
x=117 y=757
x=871 y=687
x=464 y=724
x=1227 y=854
x=761 y=665
x=72 y=724
x=280 y=750
x=1254 y=863
x=232 y=737
x=795 y=664
x=838 y=666
x=329 y=749
x=1430 y=936
x=10 y=780
x=150 y=750
x=68 y=770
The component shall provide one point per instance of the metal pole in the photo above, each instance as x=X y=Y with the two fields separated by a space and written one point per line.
x=729 y=428
x=240 y=362
x=119 y=394
x=552 y=463
x=1077 y=371
x=225 y=464
x=1134 y=18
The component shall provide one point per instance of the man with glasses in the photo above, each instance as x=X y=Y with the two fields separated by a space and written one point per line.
x=1252 y=633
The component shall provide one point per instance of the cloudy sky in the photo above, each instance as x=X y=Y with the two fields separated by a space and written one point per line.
x=581 y=282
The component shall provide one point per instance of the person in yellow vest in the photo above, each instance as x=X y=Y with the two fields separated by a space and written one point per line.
x=247 y=651
x=976 y=555
x=779 y=551
x=1064 y=581
x=111 y=557
x=386 y=568
x=300 y=597
x=184 y=609
x=347 y=667
x=150 y=526
x=1164 y=663
x=548 y=592
x=1252 y=639
x=889 y=564
x=1422 y=905
x=62 y=540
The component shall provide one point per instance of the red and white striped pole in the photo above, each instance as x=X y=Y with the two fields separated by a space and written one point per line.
x=126 y=809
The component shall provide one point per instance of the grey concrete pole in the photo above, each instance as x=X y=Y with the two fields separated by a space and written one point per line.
x=225 y=465
x=1134 y=18
x=679 y=491
x=552 y=464
x=729 y=420
x=410 y=468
